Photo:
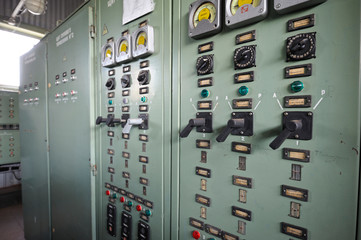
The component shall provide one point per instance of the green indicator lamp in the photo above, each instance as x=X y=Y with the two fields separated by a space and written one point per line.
x=130 y=203
x=148 y=212
x=143 y=99
x=243 y=90
x=114 y=195
x=110 y=102
x=205 y=93
x=297 y=86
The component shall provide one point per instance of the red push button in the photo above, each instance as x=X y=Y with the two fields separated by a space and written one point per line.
x=122 y=199
x=107 y=192
x=196 y=235
x=139 y=208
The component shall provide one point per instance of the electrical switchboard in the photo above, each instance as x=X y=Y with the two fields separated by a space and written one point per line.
x=71 y=139
x=134 y=121
x=34 y=141
x=269 y=121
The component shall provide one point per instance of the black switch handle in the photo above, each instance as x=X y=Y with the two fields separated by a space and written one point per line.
x=110 y=121
x=290 y=127
x=100 y=120
x=196 y=122
x=231 y=125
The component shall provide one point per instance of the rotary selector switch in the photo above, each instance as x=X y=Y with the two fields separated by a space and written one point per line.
x=244 y=57
x=301 y=47
x=110 y=84
x=125 y=80
x=205 y=65
x=144 y=77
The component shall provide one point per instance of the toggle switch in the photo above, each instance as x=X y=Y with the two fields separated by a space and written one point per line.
x=100 y=120
x=296 y=125
x=240 y=124
x=132 y=122
x=202 y=122
x=111 y=121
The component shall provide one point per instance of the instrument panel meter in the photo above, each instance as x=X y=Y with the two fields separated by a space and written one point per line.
x=108 y=56
x=243 y=12
x=143 y=41
x=124 y=49
x=204 y=18
x=285 y=6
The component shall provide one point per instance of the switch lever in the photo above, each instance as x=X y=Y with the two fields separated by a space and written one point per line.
x=232 y=124
x=196 y=122
x=110 y=121
x=132 y=122
x=289 y=128
x=100 y=120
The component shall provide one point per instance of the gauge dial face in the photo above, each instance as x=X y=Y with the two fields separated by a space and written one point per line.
x=236 y=4
x=108 y=53
x=206 y=11
x=142 y=39
x=123 y=47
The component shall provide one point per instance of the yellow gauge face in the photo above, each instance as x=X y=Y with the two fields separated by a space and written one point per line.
x=142 y=39
x=123 y=46
x=108 y=53
x=236 y=4
x=206 y=11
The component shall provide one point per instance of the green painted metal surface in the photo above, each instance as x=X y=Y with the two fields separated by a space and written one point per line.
x=157 y=148
x=34 y=139
x=9 y=127
x=331 y=177
x=70 y=127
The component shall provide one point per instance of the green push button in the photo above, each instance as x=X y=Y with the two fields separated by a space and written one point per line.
x=114 y=195
x=130 y=203
x=148 y=212
x=143 y=99
x=243 y=90
x=110 y=102
x=205 y=93
x=297 y=86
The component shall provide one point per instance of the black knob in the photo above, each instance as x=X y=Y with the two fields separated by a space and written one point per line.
x=196 y=122
x=110 y=84
x=144 y=77
x=231 y=125
x=301 y=46
x=100 y=120
x=110 y=121
x=244 y=57
x=204 y=65
x=125 y=80
x=289 y=127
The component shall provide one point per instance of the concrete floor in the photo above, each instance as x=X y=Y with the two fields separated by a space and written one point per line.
x=11 y=223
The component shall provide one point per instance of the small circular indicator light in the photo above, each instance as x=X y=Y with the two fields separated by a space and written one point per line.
x=122 y=199
x=139 y=208
x=114 y=195
x=107 y=192
x=243 y=90
x=110 y=102
x=205 y=93
x=130 y=203
x=196 y=235
x=297 y=86
x=143 y=99
x=148 y=212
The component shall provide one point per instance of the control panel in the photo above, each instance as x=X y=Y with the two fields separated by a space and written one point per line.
x=268 y=115
x=70 y=85
x=9 y=127
x=34 y=140
x=134 y=120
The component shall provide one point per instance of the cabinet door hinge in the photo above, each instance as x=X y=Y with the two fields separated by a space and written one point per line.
x=94 y=169
x=92 y=31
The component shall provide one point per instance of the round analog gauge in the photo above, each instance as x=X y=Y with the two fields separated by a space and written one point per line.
x=123 y=47
x=142 y=39
x=235 y=4
x=205 y=11
x=108 y=53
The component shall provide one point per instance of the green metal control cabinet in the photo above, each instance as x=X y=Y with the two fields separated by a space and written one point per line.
x=71 y=140
x=34 y=139
x=134 y=121
x=274 y=103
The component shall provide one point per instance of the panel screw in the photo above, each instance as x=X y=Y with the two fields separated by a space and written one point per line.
x=310 y=114
x=250 y=114
x=278 y=5
x=286 y=113
x=260 y=10
x=296 y=136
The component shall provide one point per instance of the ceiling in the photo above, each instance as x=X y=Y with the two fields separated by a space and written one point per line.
x=57 y=11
